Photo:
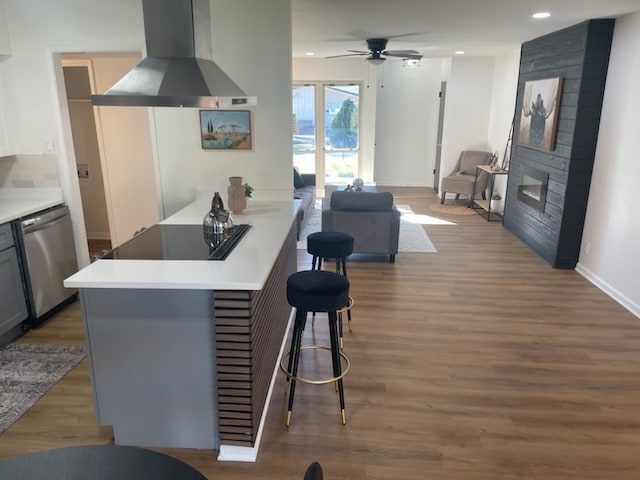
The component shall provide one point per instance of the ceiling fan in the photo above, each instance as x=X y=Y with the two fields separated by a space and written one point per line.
x=377 y=52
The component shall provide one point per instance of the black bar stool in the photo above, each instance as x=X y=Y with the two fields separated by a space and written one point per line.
x=316 y=291
x=337 y=245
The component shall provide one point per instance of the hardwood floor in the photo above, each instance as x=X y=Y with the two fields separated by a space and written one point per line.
x=98 y=247
x=478 y=362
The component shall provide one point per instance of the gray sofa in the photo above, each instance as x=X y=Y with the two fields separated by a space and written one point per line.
x=370 y=218
x=305 y=189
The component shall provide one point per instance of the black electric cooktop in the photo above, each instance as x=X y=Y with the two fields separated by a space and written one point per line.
x=177 y=242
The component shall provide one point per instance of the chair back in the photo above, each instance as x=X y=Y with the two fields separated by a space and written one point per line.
x=361 y=201
x=470 y=159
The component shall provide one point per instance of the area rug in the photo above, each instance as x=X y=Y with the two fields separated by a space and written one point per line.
x=27 y=372
x=452 y=209
x=413 y=238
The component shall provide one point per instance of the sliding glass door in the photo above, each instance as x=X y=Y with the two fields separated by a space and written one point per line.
x=326 y=130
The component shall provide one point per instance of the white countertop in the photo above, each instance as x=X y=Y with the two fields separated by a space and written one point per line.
x=20 y=202
x=246 y=267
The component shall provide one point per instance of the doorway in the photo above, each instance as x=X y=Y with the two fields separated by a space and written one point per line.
x=436 y=169
x=78 y=86
x=124 y=162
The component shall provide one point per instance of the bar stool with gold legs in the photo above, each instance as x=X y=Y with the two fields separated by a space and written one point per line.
x=316 y=291
x=337 y=245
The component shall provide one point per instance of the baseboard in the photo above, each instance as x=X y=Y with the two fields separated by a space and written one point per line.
x=234 y=453
x=626 y=302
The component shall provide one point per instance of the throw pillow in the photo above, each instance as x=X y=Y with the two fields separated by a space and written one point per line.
x=298 y=181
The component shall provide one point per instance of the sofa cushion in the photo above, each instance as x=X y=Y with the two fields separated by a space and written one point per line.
x=298 y=181
x=362 y=201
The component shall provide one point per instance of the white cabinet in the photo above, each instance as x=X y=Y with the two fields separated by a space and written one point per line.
x=7 y=139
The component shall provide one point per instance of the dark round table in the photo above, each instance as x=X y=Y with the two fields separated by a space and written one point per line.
x=97 y=462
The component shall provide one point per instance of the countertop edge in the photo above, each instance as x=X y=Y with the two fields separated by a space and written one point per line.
x=247 y=268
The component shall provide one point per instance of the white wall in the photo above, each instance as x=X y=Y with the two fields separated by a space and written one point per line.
x=467 y=108
x=503 y=104
x=39 y=28
x=258 y=59
x=39 y=31
x=612 y=228
x=348 y=70
x=392 y=154
x=407 y=123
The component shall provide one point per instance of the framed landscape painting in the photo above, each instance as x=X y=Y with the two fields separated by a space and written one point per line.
x=225 y=129
x=539 y=117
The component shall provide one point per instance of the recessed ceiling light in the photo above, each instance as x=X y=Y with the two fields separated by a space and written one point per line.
x=541 y=15
x=459 y=52
x=309 y=54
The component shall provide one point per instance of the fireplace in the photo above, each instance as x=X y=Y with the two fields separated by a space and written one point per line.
x=532 y=188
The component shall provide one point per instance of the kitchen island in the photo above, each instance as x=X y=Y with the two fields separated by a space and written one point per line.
x=183 y=353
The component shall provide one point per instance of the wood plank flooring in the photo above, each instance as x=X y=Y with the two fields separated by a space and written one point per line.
x=478 y=362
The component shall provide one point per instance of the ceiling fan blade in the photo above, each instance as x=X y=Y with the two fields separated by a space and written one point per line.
x=363 y=52
x=402 y=53
x=349 y=55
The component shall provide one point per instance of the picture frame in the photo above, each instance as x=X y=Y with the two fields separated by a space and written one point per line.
x=225 y=129
x=539 y=113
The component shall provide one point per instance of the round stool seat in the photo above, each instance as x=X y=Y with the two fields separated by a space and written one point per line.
x=317 y=291
x=330 y=244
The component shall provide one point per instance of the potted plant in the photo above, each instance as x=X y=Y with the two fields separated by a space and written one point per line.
x=496 y=202
x=248 y=190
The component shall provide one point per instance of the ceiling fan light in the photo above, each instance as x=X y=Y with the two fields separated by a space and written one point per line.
x=376 y=60
x=411 y=62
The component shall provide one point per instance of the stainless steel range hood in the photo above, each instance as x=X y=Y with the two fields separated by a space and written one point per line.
x=178 y=70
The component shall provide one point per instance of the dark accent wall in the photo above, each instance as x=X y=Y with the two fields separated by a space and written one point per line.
x=579 y=54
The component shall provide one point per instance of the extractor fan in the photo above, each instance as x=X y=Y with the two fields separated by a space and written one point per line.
x=377 y=52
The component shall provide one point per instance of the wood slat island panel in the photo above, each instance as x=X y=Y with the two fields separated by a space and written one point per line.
x=250 y=326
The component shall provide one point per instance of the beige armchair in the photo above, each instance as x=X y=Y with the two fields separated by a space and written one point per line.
x=370 y=218
x=461 y=180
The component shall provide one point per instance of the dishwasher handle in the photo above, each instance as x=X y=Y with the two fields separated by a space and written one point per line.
x=40 y=221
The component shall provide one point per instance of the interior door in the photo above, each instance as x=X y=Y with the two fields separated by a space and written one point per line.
x=436 y=169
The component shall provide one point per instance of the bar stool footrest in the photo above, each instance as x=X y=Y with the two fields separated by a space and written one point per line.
x=311 y=380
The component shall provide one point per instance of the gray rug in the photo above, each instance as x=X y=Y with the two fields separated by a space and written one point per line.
x=413 y=238
x=27 y=372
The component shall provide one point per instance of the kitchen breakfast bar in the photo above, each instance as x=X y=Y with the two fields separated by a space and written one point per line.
x=183 y=353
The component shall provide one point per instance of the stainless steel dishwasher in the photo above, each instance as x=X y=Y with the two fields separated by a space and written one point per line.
x=49 y=256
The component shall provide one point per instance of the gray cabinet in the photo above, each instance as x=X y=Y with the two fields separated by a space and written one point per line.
x=13 y=307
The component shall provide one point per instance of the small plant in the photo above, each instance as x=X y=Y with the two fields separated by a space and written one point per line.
x=248 y=190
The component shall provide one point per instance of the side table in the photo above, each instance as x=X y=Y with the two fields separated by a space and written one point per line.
x=483 y=207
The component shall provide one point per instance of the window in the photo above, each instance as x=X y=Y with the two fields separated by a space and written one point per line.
x=339 y=122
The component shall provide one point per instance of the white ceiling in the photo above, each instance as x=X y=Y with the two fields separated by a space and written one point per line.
x=437 y=28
